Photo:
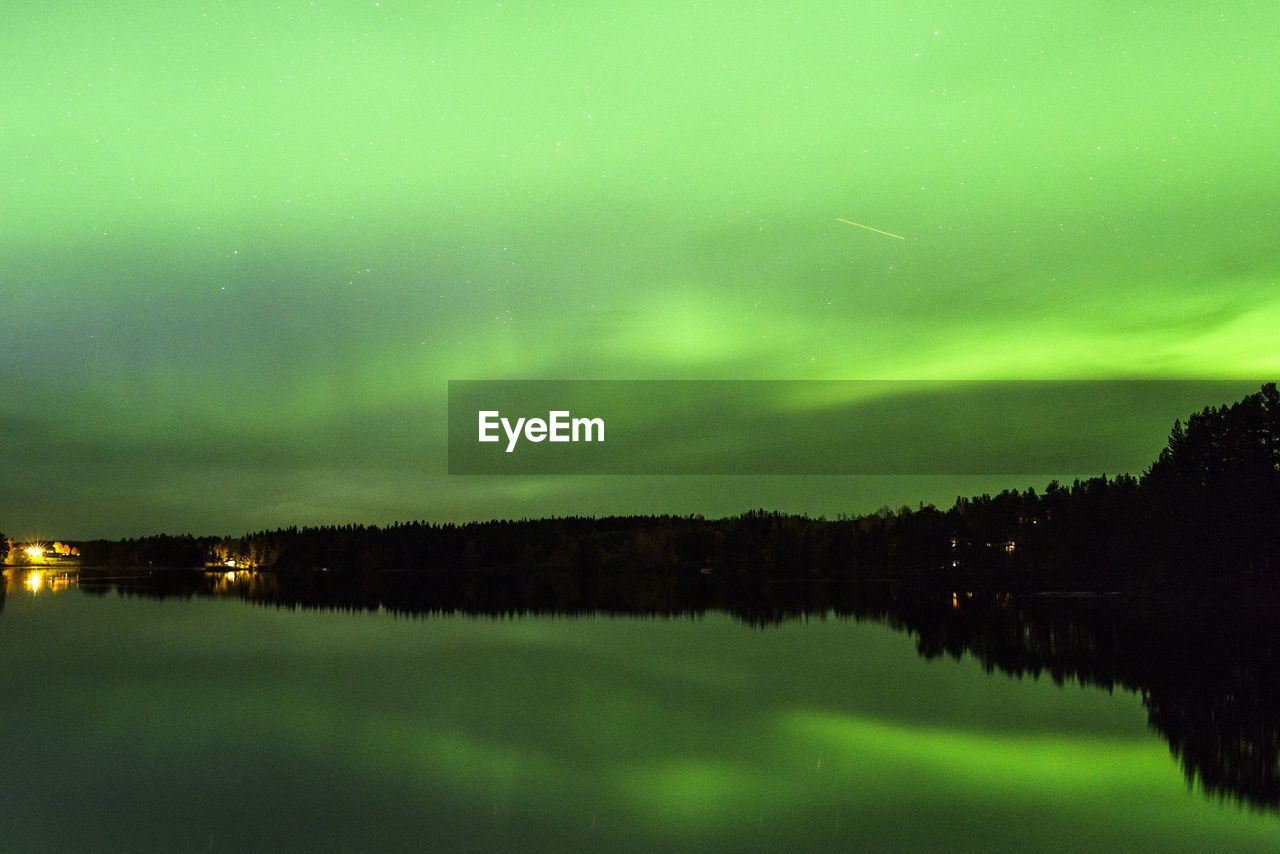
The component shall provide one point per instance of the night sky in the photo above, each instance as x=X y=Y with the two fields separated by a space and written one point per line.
x=246 y=245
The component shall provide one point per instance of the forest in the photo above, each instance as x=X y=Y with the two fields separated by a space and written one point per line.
x=1203 y=514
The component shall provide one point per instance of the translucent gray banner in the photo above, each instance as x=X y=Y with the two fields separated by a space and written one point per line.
x=811 y=427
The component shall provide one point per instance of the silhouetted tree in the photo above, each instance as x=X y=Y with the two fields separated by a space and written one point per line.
x=1214 y=492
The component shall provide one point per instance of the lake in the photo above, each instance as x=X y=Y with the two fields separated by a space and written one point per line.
x=210 y=712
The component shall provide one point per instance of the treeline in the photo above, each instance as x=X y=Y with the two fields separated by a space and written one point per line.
x=161 y=550
x=1206 y=510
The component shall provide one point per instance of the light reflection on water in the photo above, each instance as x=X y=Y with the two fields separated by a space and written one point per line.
x=39 y=580
x=191 y=723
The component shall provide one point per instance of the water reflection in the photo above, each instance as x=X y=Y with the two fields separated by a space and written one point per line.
x=38 y=581
x=1208 y=673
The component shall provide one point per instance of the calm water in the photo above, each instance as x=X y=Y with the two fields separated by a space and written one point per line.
x=194 y=723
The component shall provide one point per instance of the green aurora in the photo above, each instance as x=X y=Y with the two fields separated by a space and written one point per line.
x=246 y=246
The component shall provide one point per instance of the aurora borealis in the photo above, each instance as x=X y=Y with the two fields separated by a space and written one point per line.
x=246 y=246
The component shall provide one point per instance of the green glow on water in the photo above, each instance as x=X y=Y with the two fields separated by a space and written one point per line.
x=1004 y=767
x=274 y=728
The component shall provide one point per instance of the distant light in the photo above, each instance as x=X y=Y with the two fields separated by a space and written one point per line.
x=35 y=551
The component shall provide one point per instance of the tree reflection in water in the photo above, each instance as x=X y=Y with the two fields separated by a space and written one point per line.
x=1208 y=672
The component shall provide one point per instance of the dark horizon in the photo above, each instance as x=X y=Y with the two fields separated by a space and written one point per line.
x=1134 y=420
x=1205 y=500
